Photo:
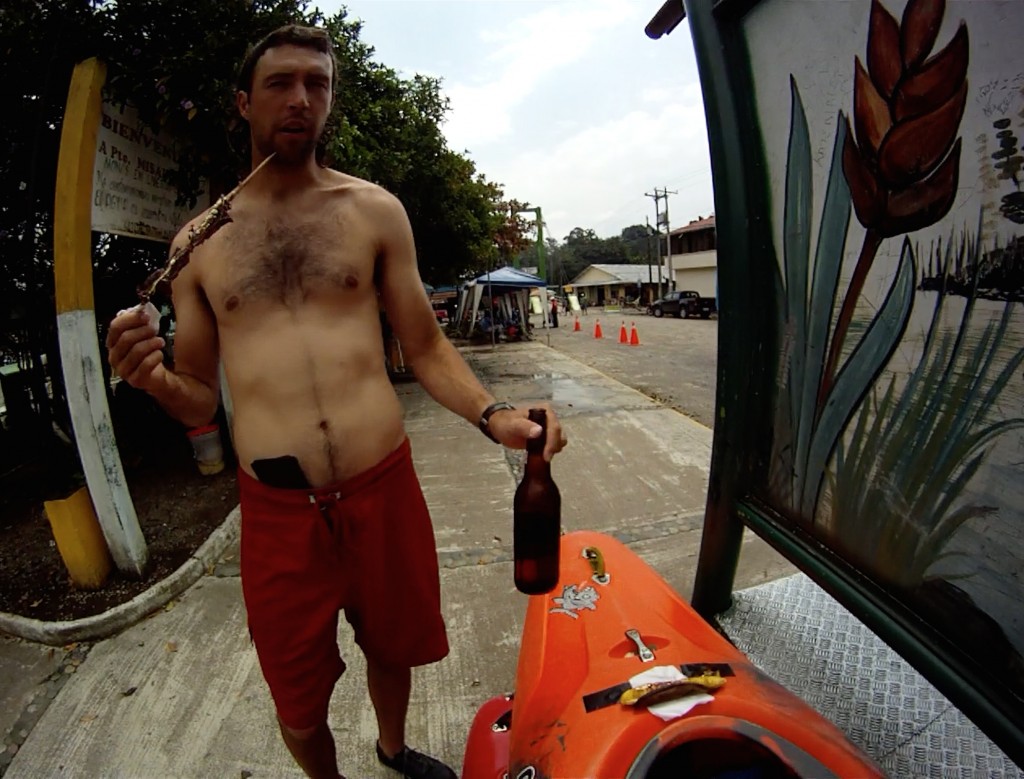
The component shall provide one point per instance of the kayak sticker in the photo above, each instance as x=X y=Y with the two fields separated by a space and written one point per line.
x=527 y=773
x=574 y=599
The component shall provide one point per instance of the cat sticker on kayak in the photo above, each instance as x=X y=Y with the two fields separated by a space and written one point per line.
x=574 y=599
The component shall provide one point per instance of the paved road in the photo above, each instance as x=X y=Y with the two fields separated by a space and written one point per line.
x=675 y=363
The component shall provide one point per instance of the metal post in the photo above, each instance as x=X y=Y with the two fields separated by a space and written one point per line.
x=542 y=262
x=668 y=248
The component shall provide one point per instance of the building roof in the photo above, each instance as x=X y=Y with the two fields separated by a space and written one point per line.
x=700 y=223
x=625 y=273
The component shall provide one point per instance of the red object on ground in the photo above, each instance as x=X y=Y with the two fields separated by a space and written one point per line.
x=623 y=338
x=634 y=338
x=576 y=327
x=576 y=659
x=597 y=330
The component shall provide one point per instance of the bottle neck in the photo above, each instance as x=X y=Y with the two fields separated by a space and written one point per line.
x=535 y=446
x=536 y=465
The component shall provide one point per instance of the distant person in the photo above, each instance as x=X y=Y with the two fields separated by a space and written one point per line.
x=583 y=304
x=554 y=312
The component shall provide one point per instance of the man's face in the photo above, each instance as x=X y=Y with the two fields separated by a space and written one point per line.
x=289 y=101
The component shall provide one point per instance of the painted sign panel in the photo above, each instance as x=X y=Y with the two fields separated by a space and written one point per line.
x=892 y=136
x=130 y=196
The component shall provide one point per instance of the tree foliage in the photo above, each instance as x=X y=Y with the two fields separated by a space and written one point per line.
x=582 y=247
x=175 y=61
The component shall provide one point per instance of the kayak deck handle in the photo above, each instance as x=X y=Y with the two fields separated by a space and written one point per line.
x=596 y=559
x=642 y=650
x=503 y=723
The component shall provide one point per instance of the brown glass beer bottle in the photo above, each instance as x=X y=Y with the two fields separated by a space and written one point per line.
x=537 y=520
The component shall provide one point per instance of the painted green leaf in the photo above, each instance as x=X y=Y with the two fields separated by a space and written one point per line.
x=796 y=255
x=858 y=373
x=828 y=262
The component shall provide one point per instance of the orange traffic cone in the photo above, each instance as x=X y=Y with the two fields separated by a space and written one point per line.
x=634 y=339
x=597 y=329
x=623 y=338
x=576 y=327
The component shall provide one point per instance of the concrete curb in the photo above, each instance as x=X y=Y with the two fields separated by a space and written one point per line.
x=126 y=614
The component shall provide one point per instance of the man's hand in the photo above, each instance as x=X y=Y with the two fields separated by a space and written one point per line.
x=133 y=348
x=513 y=427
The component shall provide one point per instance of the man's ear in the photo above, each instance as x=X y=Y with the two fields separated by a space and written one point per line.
x=242 y=102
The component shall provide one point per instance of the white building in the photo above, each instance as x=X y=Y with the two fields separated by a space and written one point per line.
x=695 y=257
x=609 y=283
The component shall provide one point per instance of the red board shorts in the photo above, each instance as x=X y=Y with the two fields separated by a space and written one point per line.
x=365 y=546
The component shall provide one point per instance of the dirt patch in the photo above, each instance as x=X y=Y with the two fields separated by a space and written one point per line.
x=177 y=507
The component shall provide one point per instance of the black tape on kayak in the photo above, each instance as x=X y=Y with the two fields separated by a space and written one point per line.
x=610 y=695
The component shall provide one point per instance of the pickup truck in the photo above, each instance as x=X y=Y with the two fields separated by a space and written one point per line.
x=683 y=303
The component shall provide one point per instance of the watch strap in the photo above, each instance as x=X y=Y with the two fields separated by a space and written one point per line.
x=485 y=417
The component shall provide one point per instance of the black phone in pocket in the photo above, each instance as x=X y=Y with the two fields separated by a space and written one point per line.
x=282 y=472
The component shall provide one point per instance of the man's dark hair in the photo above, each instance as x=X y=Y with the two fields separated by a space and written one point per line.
x=289 y=35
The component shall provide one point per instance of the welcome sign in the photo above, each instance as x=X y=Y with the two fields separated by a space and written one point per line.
x=130 y=195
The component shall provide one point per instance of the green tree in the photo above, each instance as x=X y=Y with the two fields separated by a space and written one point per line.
x=175 y=61
x=638 y=241
x=582 y=247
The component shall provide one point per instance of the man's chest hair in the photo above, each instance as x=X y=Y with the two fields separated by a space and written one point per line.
x=289 y=262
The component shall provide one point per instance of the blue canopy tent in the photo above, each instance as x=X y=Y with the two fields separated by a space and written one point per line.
x=512 y=288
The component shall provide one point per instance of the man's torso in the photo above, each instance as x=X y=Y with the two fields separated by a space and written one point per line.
x=292 y=286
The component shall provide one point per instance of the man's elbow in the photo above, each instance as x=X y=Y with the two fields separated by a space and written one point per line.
x=200 y=417
x=195 y=404
x=425 y=346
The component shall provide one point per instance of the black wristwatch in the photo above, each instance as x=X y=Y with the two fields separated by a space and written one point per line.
x=485 y=417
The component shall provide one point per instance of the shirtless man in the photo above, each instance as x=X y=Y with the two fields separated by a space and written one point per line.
x=286 y=296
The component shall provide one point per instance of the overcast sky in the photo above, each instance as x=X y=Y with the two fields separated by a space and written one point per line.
x=567 y=103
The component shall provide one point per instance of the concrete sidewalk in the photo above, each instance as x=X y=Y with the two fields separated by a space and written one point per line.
x=180 y=694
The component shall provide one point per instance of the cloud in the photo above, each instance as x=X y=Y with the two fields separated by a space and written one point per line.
x=597 y=177
x=523 y=55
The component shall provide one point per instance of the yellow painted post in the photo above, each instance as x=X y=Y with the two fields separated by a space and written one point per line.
x=72 y=212
x=79 y=539
x=81 y=360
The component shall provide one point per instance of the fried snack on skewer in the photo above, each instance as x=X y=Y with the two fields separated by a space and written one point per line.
x=215 y=218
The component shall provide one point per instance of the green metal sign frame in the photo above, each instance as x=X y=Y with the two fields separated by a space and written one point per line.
x=747 y=361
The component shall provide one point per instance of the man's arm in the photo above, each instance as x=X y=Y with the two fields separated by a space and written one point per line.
x=189 y=393
x=436 y=362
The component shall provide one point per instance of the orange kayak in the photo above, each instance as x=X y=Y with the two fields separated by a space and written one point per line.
x=575 y=714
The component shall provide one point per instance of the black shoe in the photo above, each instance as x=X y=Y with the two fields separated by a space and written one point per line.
x=415 y=765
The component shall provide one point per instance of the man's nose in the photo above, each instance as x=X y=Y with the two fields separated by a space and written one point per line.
x=299 y=97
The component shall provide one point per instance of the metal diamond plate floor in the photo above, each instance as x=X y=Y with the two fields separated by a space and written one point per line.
x=798 y=634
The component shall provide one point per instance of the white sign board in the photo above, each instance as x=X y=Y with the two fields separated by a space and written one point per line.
x=129 y=195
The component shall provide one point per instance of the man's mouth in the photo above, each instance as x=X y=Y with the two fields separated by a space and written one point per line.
x=294 y=128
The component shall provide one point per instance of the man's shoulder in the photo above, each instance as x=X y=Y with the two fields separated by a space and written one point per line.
x=186 y=230
x=365 y=192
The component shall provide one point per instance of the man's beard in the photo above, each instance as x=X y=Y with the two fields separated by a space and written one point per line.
x=288 y=152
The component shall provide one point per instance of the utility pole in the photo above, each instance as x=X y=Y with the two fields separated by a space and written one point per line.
x=661 y=218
